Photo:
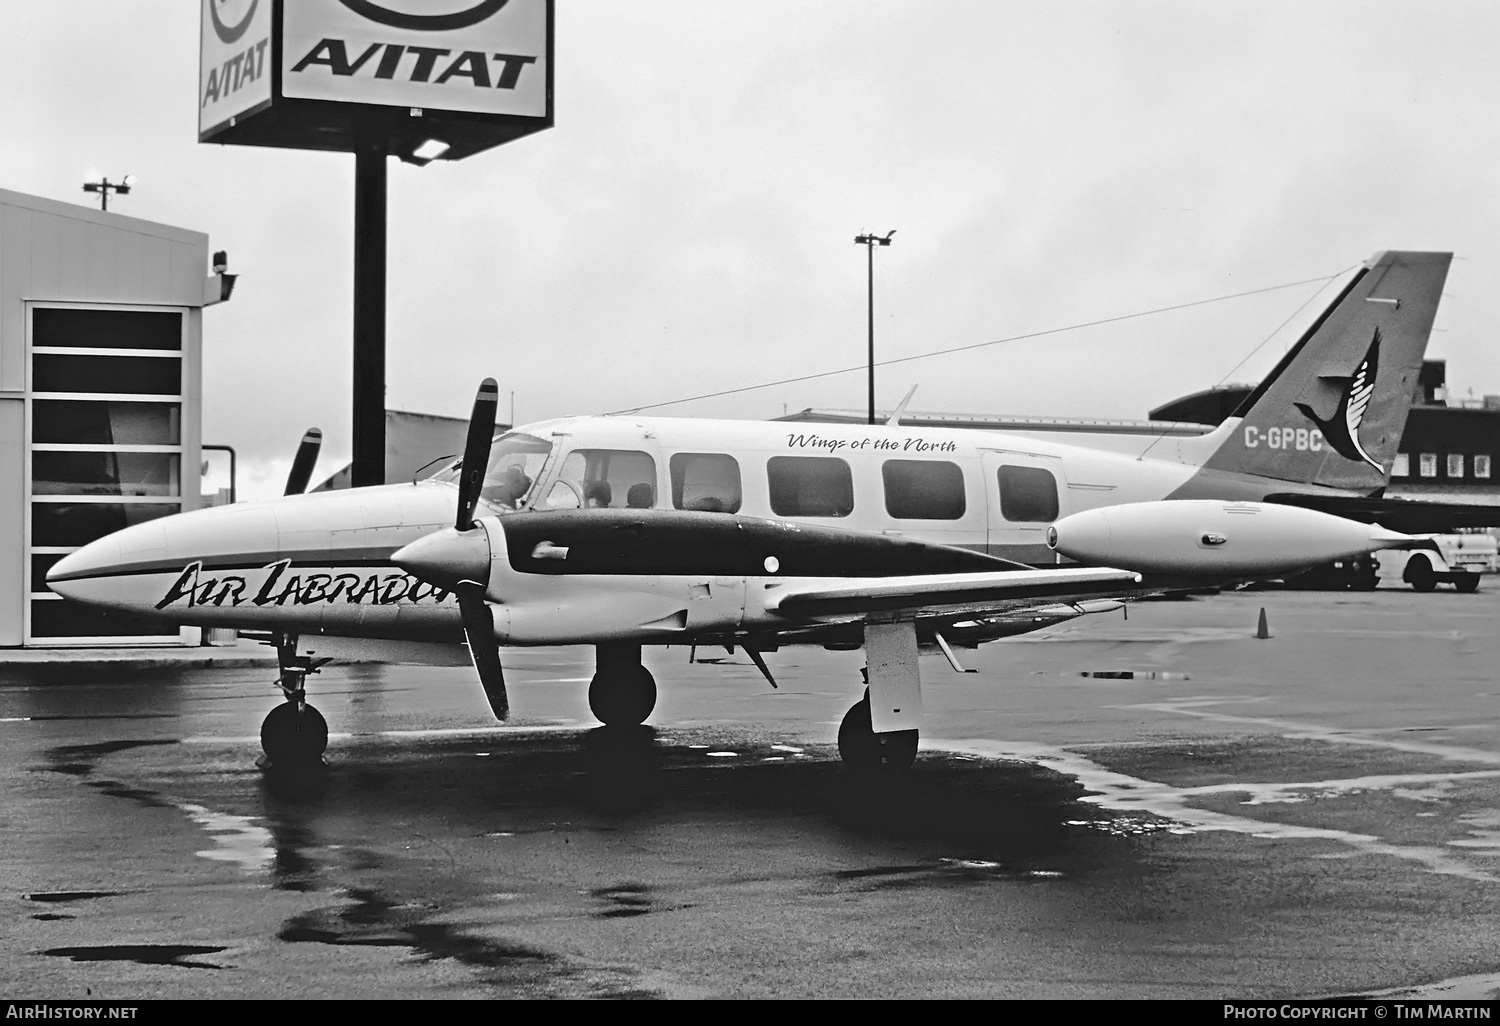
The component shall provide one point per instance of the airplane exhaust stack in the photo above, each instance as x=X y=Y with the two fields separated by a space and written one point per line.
x=1204 y=537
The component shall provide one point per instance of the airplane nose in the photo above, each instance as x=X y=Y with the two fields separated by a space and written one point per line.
x=444 y=558
x=76 y=575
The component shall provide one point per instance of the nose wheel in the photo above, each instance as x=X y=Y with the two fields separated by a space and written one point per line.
x=294 y=733
x=622 y=692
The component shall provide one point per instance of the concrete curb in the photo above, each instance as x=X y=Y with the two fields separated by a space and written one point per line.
x=243 y=654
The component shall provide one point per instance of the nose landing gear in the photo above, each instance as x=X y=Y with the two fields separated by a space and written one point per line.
x=623 y=692
x=294 y=733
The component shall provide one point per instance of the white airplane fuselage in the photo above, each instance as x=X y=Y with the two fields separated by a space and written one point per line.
x=321 y=562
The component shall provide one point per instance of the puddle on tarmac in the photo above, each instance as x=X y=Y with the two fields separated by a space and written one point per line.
x=142 y=954
x=374 y=920
x=623 y=901
x=51 y=896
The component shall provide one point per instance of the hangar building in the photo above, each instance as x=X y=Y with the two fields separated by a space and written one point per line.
x=101 y=334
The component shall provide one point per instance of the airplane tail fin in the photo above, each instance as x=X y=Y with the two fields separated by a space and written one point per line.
x=1332 y=411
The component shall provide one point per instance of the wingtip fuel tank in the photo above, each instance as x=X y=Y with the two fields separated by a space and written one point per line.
x=1213 y=538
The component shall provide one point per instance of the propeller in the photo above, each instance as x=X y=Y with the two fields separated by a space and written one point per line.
x=302 y=463
x=477 y=452
x=479 y=624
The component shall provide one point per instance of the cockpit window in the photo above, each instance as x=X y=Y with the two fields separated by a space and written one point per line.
x=614 y=478
x=516 y=461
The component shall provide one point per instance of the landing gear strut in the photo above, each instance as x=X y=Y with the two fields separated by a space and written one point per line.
x=623 y=692
x=863 y=749
x=294 y=733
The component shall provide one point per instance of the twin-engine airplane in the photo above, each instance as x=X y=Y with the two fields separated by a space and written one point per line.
x=621 y=531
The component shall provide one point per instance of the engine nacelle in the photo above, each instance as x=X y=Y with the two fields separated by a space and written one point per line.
x=1214 y=538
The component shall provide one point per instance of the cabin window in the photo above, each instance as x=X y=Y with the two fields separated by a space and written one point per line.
x=923 y=489
x=1481 y=465
x=1455 y=464
x=810 y=486
x=1401 y=467
x=708 y=481
x=604 y=479
x=1427 y=464
x=1028 y=495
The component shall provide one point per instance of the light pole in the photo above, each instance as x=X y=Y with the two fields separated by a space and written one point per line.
x=104 y=187
x=870 y=241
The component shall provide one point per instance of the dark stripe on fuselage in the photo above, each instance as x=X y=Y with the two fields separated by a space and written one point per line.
x=320 y=559
x=682 y=543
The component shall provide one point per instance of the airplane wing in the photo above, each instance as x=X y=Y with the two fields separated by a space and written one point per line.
x=1410 y=516
x=928 y=596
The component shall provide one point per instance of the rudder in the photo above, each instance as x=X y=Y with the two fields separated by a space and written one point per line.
x=1332 y=411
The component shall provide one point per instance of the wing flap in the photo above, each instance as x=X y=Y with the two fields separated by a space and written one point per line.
x=973 y=594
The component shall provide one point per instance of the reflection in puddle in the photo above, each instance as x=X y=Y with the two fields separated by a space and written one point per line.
x=238 y=839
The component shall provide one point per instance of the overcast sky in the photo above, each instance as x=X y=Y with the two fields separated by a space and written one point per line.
x=687 y=227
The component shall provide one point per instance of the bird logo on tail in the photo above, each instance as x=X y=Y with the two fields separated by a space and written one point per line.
x=1341 y=431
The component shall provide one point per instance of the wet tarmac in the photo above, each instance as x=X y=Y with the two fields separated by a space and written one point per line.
x=1161 y=807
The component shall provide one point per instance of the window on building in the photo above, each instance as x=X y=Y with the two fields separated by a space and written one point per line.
x=1481 y=465
x=1455 y=464
x=1028 y=494
x=923 y=489
x=1401 y=466
x=94 y=328
x=810 y=486
x=106 y=445
x=708 y=481
x=1427 y=464
x=604 y=478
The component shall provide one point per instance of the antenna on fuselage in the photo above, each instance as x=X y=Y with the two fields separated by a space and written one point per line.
x=895 y=418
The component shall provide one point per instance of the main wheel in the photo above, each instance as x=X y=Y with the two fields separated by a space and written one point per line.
x=622 y=698
x=1419 y=574
x=294 y=736
x=1467 y=583
x=861 y=748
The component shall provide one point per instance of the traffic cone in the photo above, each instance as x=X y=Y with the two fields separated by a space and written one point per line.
x=1261 y=631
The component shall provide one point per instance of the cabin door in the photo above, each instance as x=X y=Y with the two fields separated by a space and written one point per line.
x=1024 y=495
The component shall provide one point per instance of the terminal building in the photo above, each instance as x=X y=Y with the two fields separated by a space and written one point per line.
x=101 y=339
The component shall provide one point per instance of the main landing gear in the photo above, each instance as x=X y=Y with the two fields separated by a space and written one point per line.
x=623 y=692
x=892 y=700
x=294 y=733
x=863 y=749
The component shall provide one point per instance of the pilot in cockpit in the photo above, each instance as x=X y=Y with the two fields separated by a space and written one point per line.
x=509 y=488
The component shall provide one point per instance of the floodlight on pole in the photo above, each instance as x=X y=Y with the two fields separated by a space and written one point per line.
x=104 y=187
x=870 y=241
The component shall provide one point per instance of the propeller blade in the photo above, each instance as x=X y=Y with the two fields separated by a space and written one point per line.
x=302 y=463
x=477 y=452
x=484 y=650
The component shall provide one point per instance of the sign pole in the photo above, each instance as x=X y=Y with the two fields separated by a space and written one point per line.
x=369 y=315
